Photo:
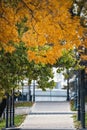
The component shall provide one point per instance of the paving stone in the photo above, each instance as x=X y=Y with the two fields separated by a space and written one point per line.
x=49 y=116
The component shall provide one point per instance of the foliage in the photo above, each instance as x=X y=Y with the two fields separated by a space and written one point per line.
x=42 y=73
x=67 y=61
x=12 y=68
x=80 y=8
x=45 y=78
x=41 y=25
x=15 y=67
x=33 y=36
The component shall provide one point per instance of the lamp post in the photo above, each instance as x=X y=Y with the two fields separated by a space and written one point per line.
x=78 y=96
x=10 y=111
x=10 y=108
x=7 y=111
x=13 y=111
x=34 y=91
x=68 y=85
x=75 y=95
x=82 y=97
x=78 y=87
x=29 y=88
x=82 y=86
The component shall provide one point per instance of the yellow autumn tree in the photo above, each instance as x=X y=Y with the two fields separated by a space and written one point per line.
x=45 y=26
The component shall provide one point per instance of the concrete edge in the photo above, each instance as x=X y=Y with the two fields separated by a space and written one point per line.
x=11 y=128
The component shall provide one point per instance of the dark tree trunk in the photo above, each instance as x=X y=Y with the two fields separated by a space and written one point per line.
x=2 y=106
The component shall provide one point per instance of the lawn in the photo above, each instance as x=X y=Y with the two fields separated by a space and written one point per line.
x=23 y=104
x=18 y=120
x=86 y=120
x=78 y=123
x=72 y=107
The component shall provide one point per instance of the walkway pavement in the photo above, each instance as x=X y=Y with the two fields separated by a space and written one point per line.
x=22 y=110
x=86 y=107
x=49 y=116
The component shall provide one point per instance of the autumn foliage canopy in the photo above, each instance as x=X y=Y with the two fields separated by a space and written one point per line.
x=45 y=26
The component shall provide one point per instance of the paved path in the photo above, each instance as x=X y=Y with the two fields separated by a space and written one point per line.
x=22 y=110
x=86 y=107
x=49 y=116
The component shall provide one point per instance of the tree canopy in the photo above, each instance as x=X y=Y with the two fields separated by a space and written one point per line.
x=45 y=26
x=33 y=35
x=80 y=8
x=15 y=67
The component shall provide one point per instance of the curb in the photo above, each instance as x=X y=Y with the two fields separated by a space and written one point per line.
x=11 y=128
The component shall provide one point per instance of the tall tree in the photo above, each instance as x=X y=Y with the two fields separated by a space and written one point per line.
x=12 y=68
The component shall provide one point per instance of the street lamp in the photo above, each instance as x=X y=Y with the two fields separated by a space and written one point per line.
x=82 y=97
x=10 y=110
x=82 y=88
x=7 y=110
x=29 y=88
x=75 y=95
x=68 y=86
x=33 y=90
x=78 y=87
x=78 y=96
x=10 y=116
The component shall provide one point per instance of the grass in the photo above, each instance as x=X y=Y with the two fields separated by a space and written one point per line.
x=72 y=105
x=78 y=123
x=86 y=120
x=2 y=124
x=23 y=104
x=18 y=120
